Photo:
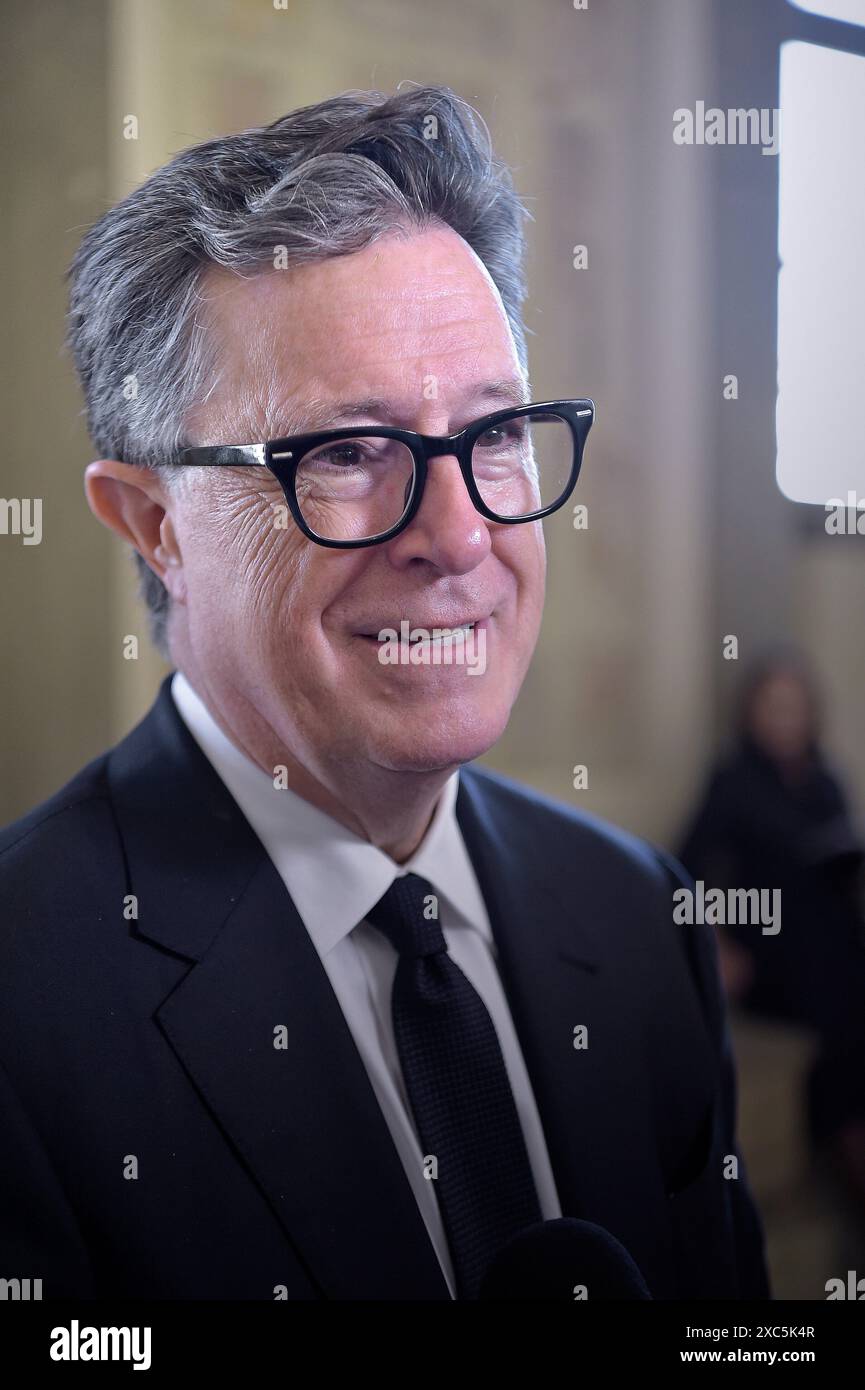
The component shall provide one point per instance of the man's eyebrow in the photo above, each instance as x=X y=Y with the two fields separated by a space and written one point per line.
x=321 y=414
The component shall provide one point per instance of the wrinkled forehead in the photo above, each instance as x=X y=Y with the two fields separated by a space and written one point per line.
x=409 y=316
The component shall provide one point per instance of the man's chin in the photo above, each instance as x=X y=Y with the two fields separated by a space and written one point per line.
x=436 y=746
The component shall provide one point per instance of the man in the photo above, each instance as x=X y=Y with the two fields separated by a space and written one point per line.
x=298 y=1005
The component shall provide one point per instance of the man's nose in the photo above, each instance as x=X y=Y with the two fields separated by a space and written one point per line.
x=448 y=530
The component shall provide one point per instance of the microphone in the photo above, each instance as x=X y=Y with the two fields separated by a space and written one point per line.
x=563 y=1261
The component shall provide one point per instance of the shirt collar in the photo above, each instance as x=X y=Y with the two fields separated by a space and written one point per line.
x=334 y=876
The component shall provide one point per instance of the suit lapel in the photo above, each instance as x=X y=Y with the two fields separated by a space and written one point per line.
x=594 y=1103
x=303 y=1116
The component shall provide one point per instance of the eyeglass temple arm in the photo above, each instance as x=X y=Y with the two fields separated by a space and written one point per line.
x=224 y=456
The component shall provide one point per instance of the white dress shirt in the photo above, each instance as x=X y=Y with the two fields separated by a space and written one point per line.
x=334 y=877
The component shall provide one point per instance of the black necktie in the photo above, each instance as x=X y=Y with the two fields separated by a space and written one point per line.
x=457 y=1086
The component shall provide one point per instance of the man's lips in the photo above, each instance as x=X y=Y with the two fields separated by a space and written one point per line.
x=418 y=626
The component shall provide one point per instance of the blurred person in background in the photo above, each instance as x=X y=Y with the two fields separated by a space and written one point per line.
x=774 y=816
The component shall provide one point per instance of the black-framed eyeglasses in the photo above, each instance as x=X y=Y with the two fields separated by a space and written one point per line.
x=361 y=486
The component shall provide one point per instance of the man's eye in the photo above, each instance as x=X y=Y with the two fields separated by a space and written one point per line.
x=348 y=455
x=501 y=436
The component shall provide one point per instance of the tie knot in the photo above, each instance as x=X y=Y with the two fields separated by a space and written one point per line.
x=408 y=915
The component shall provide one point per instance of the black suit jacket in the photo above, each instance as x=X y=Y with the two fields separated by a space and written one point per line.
x=150 y=1042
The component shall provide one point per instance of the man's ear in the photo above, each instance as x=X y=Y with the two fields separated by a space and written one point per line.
x=131 y=501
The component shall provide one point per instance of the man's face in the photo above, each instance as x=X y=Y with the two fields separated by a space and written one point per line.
x=272 y=619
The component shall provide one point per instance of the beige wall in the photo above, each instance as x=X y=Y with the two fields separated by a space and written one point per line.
x=56 y=696
x=829 y=604
x=627 y=663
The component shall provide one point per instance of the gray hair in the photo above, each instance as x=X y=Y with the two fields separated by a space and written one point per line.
x=323 y=181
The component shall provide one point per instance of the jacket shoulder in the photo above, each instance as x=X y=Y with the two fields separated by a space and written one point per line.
x=558 y=830
x=67 y=828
